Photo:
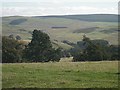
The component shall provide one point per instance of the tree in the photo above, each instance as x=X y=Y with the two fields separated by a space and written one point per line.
x=40 y=48
x=18 y=37
x=114 y=51
x=11 y=36
x=11 y=50
x=91 y=52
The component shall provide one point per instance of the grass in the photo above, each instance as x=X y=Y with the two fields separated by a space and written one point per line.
x=72 y=25
x=63 y=74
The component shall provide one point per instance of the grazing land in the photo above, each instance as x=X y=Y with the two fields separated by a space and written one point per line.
x=63 y=74
x=60 y=28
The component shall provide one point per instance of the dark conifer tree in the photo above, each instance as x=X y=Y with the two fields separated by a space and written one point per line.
x=40 y=48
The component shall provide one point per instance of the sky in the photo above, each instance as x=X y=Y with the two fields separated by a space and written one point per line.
x=57 y=7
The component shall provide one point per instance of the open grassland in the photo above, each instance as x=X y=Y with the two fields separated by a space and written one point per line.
x=74 y=31
x=63 y=74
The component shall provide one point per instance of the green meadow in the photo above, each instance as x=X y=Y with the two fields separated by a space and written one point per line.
x=63 y=74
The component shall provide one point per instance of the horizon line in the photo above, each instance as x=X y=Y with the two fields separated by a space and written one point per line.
x=55 y=15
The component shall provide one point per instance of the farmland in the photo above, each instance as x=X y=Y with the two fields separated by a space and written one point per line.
x=63 y=74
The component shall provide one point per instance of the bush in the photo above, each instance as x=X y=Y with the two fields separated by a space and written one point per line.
x=11 y=50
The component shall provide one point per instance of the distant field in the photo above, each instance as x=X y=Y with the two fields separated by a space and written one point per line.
x=63 y=74
x=68 y=28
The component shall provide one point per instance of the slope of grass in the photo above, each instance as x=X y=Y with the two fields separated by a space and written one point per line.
x=63 y=74
x=73 y=32
x=90 y=17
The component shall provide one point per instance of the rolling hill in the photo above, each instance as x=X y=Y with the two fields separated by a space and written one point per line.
x=89 y=17
x=65 y=27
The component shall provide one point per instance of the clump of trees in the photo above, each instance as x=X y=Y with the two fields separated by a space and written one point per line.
x=38 y=50
x=17 y=37
x=96 y=52
x=11 y=50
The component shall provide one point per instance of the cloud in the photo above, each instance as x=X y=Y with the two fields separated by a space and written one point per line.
x=53 y=10
x=90 y=10
x=57 y=7
x=60 y=0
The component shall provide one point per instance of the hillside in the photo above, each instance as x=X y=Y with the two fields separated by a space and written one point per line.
x=66 y=27
x=90 y=17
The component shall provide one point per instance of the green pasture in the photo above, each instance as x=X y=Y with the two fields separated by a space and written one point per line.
x=63 y=74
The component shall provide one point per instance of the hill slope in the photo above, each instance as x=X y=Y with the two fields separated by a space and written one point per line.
x=90 y=17
x=60 y=28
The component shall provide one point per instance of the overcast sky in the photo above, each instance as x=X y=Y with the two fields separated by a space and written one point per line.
x=58 y=7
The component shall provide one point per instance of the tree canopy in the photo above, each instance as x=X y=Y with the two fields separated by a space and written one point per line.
x=93 y=51
x=11 y=50
x=40 y=48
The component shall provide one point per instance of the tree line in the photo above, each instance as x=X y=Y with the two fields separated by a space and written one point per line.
x=96 y=51
x=40 y=49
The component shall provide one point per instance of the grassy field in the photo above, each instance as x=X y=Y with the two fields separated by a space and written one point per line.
x=104 y=30
x=63 y=74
